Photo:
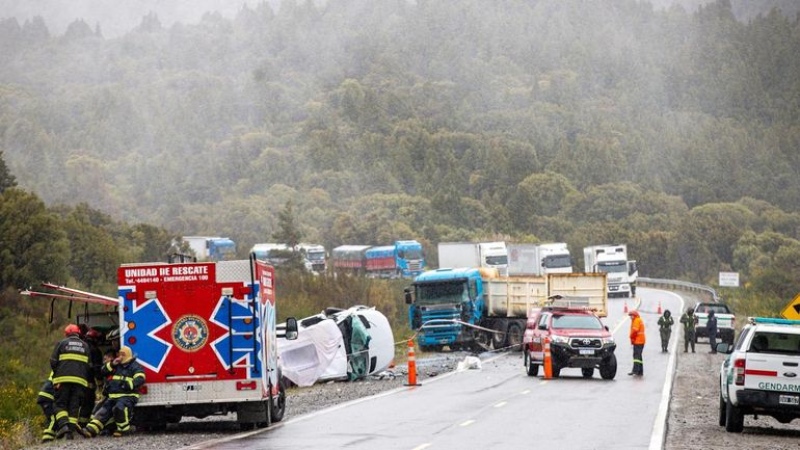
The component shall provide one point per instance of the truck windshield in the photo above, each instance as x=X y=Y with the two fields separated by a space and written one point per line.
x=410 y=253
x=498 y=260
x=613 y=267
x=441 y=293
x=577 y=322
x=557 y=261
x=315 y=256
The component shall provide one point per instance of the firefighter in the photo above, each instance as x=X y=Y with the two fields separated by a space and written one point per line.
x=71 y=372
x=689 y=320
x=665 y=323
x=124 y=378
x=637 y=340
x=45 y=400
x=93 y=339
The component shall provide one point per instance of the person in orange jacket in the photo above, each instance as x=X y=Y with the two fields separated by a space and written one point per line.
x=637 y=340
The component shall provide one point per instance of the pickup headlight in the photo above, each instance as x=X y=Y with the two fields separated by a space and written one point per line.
x=559 y=339
x=608 y=341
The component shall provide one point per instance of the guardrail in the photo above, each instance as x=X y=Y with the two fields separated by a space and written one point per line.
x=681 y=285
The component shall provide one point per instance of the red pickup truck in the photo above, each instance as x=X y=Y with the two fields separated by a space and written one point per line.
x=578 y=338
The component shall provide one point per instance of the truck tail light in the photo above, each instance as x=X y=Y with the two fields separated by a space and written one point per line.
x=739 y=368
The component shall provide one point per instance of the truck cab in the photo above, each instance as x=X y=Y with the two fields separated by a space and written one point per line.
x=578 y=339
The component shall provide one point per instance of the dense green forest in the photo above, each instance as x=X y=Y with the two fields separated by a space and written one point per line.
x=673 y=130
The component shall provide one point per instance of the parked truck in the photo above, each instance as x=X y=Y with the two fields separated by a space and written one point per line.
x=475 y=308
x=211 y=248
x=490 y=255
x=276 y=254
x=538 y=259
x=402 y=259
x=205 y=334
x=613 y=260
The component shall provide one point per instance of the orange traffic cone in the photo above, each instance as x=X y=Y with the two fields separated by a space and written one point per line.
x=412 y=365
x=659 y=306
x=548 y=360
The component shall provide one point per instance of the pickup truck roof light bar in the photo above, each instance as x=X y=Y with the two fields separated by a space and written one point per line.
x=772 y=320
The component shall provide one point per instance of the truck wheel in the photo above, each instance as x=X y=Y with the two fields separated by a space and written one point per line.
x=608 y=368
x=278 y=406
x=734 y=419
x=587 y=372
x=498 y=340
x=722 y=407
x=530 y=367
x=514 y=337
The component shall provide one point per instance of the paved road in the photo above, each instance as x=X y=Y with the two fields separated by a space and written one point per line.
x=500 y=405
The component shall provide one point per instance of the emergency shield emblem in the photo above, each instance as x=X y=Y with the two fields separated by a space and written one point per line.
x=190 y=333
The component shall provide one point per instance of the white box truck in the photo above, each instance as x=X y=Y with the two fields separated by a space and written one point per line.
x=539 y=259
x=492 y=255
x=613 y=260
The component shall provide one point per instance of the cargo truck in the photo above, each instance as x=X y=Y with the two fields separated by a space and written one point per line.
x=474 y=308
x=490 y=255
x=613 y=260
x=211 y=248
x=276 y=254
x=402 y=259
x=538 y=259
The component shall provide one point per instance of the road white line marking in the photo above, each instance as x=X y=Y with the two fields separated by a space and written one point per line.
x=421 y=447
x=500 y=405
x=526 y=391
x=660 y=427
x=467 y=423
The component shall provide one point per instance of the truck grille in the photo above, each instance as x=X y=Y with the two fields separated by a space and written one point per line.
x=585 y=343
x=415 y=265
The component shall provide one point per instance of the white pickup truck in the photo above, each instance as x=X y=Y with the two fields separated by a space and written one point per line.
x=761 y=375
x=725 y=321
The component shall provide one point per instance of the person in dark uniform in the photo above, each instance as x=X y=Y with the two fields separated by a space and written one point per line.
x=46 y=400
x=93 y=338
x=689 y=320
x=124 y=378
x=665 y=323
x=711 y=326
x=71 y=372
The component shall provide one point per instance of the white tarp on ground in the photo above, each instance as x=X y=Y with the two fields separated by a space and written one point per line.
x=318 y=352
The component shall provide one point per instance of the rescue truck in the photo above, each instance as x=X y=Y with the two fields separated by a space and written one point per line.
x=206 y=335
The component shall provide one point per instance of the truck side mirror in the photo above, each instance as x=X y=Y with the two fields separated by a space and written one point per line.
x=409 y=299
x=291 y=329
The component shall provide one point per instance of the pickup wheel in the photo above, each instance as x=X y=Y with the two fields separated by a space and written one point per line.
x=556 y=369
x=734 y=419
x=587 y=372
x=531 y=368
x=722 y=411
x=608 y=368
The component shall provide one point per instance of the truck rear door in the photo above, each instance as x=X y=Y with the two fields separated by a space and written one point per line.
x=776 y=369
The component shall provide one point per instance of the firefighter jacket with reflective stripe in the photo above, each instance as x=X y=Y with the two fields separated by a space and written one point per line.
x=70 y=362
x=123 y=380
x=637 y=331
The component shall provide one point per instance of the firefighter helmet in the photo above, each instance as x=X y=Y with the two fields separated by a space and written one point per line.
x=94 y=335
x=72 y=329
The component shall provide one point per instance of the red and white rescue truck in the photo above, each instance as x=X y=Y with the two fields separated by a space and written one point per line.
x=205 y=334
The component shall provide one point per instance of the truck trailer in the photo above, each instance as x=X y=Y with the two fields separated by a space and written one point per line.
x=490 y=255
x=403 y=259
x=475 y=309
x=613 y=260
x=539 y=259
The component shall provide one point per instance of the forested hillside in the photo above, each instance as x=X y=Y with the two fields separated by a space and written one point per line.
x=586 y=122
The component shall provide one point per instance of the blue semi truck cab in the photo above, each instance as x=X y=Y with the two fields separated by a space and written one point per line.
x=409 y=258
x=438 y=300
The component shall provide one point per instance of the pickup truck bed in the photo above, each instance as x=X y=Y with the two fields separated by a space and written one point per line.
x=725 y=321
